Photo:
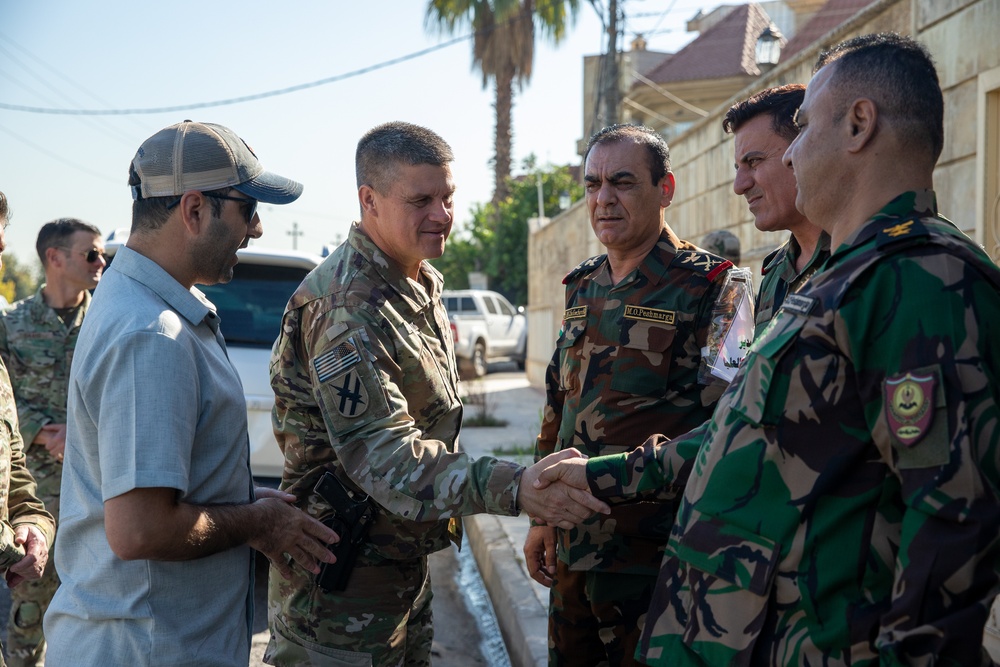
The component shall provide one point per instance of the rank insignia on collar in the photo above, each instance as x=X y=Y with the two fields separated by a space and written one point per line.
x=909 y=406
x=902 y=229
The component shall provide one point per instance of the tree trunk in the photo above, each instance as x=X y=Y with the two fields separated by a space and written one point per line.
x=503 y=106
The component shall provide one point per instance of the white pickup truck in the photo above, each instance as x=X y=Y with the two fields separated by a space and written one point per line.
x=485 y=328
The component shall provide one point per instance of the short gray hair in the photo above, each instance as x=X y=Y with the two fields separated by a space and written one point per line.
x=385 y=147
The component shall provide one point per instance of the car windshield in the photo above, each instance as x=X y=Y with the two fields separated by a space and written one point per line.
x=251 y=304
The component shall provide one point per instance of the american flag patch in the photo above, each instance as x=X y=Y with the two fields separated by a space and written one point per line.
x=330 y=364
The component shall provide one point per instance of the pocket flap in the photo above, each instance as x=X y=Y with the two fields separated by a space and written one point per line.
x=572 y=329
x=650 y=336
x=730 y=553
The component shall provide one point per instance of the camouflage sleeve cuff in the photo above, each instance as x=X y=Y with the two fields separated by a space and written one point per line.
x=639 y=473
x=10 y=553
x=501 y=488
x=607 y=475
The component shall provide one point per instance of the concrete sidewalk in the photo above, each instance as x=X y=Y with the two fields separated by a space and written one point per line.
x=520 y=603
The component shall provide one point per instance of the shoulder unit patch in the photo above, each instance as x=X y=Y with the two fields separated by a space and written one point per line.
x=909 y=403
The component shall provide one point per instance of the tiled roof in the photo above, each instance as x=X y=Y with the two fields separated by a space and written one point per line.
x=830 y=15
x=727 y=49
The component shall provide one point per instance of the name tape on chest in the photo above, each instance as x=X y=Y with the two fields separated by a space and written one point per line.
x=578 y=313
x=330 y=364
x=650 y=314
x=800 y=305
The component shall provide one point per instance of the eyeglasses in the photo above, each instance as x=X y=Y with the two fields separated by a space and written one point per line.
x=248 y=205
x=92 y=255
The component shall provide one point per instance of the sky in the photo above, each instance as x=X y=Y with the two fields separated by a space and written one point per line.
x=113 y=54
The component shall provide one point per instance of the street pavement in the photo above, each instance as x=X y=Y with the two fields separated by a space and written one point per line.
x=520 y=603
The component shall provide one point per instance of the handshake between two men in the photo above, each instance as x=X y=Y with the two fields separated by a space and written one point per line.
x=554 y=491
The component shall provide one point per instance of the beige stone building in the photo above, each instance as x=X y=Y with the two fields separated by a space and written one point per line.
x=961 y=35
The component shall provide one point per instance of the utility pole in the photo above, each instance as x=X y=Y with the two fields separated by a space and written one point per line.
x=612 y=92
x=295 y=234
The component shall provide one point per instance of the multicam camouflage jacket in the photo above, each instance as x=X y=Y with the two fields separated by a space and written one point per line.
x=18 y=502
x=366 y=387
x=779 y=277
x=38 y=349
x=625 y=366
x=843 y=507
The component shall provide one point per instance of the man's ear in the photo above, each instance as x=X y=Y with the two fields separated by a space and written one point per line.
x=667 y=186
x=369 y=203
x=54 y=257
x=195 y=211
x=862 y=123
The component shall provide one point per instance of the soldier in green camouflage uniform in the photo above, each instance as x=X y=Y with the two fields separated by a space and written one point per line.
x=626 y=365
x=763 y=126
x=25 y=527
x=842 y=505
x=37 y=337
x=366 y=387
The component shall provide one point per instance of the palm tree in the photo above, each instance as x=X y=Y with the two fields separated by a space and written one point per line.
x=503 y=49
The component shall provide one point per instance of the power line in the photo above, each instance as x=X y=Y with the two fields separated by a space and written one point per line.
x=235 y=100
x=59 y=158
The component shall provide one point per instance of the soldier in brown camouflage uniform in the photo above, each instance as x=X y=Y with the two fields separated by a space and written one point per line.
x=26 y=529
x=842 y=506
x=37 y=337
x=366 y=388
x=626 y=366
x=763 y=126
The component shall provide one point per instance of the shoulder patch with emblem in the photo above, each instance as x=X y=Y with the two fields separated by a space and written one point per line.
x=909 y=406
x=702 y=262
x=351 y=397
x=587 y=266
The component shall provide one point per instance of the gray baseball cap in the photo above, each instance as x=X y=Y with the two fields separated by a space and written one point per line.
x=204 y=156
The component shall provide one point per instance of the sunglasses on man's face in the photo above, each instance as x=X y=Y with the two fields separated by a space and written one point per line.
x=248 y=205
x=92 y=255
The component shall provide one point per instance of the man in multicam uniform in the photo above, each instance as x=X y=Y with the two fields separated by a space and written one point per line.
x=37 y=337
x=366 y=387
x=26 y=528
x=626 y=365
x=843 y=507
x=763 y=126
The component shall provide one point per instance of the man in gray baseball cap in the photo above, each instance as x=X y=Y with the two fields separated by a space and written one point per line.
x=159 y=517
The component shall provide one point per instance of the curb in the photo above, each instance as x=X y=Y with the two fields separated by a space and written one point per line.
x=523 y=621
